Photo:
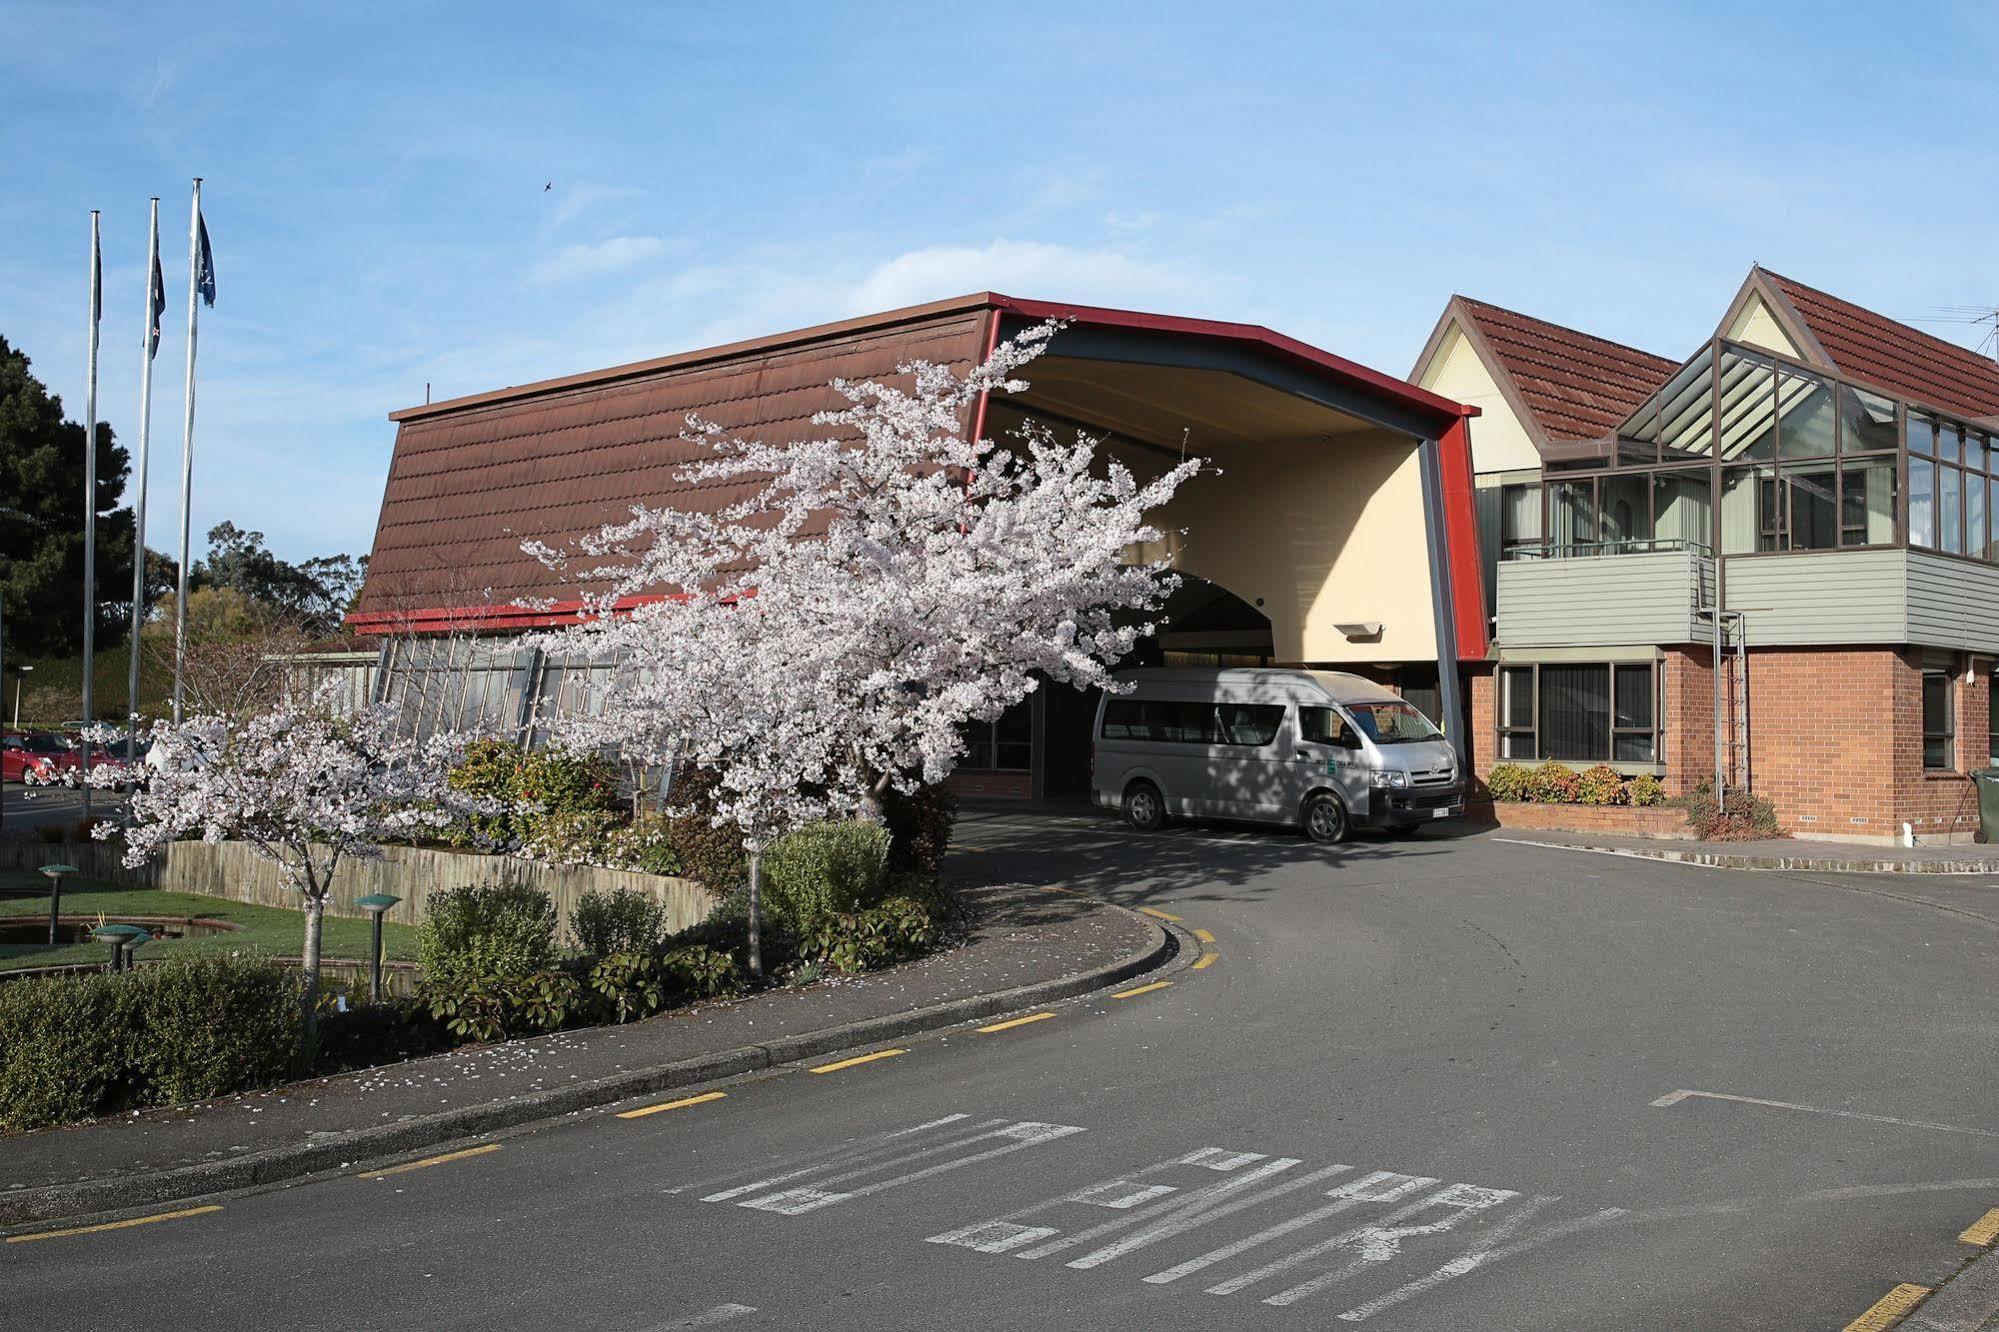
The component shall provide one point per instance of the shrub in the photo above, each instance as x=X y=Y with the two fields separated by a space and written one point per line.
x=896 y=930
x=1554 y=784
x=62 y=1050
x=212 y=1025
x=636 y=985
x=698 y=972
x=1646 y=789
x=824 y=869
x=366 y=1034
x=920 y=823
x=645 y=845
x=489 y=768
x=624 y=920
x=1600 y=785
x=568 y=836
x=535 y=786
x=492 y=1008
x=711 y=856
x=1508 y=781
x=491 y=930
x=1742 y=816
x=76 y=1046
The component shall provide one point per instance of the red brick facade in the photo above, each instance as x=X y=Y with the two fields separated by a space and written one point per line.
x=1835 y=738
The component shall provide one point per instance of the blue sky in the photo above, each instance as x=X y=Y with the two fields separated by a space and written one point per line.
x=374 y=186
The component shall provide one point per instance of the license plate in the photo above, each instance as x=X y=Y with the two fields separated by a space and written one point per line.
x=1442 y=813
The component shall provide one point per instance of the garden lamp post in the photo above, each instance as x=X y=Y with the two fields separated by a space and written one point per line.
x=20 y=678
x=119 y=936
x=55 y=873
x=376 y=905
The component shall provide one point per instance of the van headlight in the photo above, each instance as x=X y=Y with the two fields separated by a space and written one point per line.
x=1394 y=780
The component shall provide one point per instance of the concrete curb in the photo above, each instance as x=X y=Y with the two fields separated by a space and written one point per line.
x=56 y=1202
x=1805 y=863
x=1967 y=1301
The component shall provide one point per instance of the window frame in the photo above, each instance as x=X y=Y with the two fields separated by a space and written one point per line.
x=1502 y=730
x=1948 y=735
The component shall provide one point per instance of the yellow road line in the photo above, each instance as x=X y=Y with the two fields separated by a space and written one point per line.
x=113 y=1225
x=837 y=1065
x=429 y=1161
x=1015 y=1022
x=1889 y=1309
x=1205 y=936
x=684 y=1101
x=1162 y=915
x=1205 y=960
x=1143 y=989
x=1984 y=1231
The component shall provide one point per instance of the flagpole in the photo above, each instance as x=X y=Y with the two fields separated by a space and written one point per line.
x=90 y=503
x=187 y=448
x=139 y=505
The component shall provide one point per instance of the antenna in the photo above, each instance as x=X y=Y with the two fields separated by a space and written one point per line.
x=1986 y=315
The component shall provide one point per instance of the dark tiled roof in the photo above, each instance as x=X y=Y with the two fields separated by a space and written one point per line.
x=470 y=482
x=1904 y=361
x=1575 y=385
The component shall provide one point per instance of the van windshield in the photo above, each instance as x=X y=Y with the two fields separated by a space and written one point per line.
x=1393 y=723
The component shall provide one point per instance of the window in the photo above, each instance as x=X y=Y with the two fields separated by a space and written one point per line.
x=1393 y=723
x=1324 y=726
x=1005 y=744
x=1591 y=712
x=1519 y=517
x=1157 y=721
x=1937 y=728
x=1922 y=502
x=1992 y=720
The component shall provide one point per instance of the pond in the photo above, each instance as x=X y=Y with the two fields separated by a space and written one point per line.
x=33 y=931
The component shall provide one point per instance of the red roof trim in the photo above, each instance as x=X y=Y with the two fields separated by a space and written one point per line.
x=436 y=619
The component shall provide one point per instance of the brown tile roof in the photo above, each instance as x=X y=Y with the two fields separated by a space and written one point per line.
x=472 y=479
x=1573 y=384
x=1904 y=361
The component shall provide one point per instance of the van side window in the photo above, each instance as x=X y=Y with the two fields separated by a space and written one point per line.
x=1160 y=722
x=1251 y=723
x=1323 y=726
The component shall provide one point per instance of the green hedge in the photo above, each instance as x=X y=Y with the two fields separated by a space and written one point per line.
x=76 y=1046
x=623 y=920
x=1558 y=784
x=483 y=930
x=824 y=869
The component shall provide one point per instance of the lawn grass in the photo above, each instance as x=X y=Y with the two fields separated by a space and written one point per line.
x=262 y=929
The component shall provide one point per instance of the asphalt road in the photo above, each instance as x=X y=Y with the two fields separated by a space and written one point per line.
x=1446 y=1083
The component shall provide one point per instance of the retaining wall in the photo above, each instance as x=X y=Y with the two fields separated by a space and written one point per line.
x=234 y=871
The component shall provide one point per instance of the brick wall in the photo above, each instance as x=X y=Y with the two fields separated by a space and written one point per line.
x=1650 y=821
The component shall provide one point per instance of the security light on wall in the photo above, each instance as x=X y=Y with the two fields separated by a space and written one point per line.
x=1366 y=630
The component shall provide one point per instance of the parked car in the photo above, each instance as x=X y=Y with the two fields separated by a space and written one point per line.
x=1324 y=751
x=38 y=758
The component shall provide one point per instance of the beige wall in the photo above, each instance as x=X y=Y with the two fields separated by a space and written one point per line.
x=1324 y=531
x=1499 y=442
x=1755 y=325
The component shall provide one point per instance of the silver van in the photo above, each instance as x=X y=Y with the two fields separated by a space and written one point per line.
x=1320 y=750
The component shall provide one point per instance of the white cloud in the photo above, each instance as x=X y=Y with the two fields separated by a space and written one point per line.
x=1031 y=269
x=605 y=256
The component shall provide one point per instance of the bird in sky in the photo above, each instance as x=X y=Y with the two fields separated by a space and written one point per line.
x=546 y=188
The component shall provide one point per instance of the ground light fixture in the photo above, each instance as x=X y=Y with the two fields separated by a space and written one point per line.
x=376 y=905
x=120 y=937
x=56 y=874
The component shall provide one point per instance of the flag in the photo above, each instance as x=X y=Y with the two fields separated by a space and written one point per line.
x=159 y=299
x=207 y=279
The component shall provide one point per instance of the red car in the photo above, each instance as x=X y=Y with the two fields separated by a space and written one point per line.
x=39 y=758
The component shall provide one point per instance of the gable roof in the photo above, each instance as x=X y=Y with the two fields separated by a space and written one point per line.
x=1906 y=362
x=1563 y=383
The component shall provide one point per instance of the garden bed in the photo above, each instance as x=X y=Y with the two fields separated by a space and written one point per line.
x=1664 y=821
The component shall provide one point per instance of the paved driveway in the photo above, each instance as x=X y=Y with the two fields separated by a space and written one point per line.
x=1446 y=1083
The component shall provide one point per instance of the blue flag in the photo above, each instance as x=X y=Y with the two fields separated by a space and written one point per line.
x=159 y=299
x=206 y=281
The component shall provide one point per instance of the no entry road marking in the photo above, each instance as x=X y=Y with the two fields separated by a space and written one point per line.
x=680 y=1104
x=428 y=1161
x=113 y=1225
x=839 y=1064
x=1675 y=1097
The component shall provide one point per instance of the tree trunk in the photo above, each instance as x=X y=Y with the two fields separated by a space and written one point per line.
x=756 y=912
x=315 y=913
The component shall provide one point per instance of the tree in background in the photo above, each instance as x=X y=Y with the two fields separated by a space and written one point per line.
x=41 y=521
x=313 y=594
x=828 y=638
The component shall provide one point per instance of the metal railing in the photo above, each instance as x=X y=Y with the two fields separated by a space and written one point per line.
x=1589 y=549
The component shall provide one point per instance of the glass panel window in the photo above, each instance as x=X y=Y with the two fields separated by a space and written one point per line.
x=1396 y=723
x=1812 y=525
x=1947 y=442
x=1937 y=729
x=1250 y=723
x=1922 y=435
x=1160 y=722
x=1866 y=421
x=1751 y=510
x=1680 y=506
x=1748 y=407
x=1974 y=450
x=1519 y=516
x=1006 y=744
x=1575 y=712
x=1324 y=726
x=1626 y=509
x=1516 y=698
x=1683 y=412
x=1950 y=498
x=1992 y=512
x=1992 y=721
x=1572 y=513
x=1804 y=404
x=1922 y=503
x=1867 y=502
x=1974 y=514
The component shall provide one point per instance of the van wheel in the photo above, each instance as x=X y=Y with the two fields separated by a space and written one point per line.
x=1325 y=819
x=1144 y=807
